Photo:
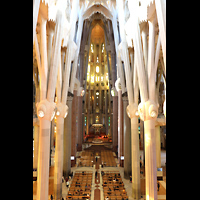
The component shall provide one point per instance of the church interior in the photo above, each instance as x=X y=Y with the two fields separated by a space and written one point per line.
x=99 y=99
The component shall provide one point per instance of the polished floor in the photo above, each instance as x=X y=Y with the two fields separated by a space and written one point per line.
x=97 y=189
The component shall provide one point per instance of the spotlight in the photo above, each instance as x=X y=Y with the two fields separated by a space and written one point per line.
x=112 y=92
x=41 y=113
x=45 y=109
x=153 y=110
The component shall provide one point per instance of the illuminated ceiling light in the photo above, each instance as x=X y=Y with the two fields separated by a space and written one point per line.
x=153 y=114
x=97 y=93
x=66 y=114
x=92 y=79
x=112 y=92
x=164 y=108
x=41 y=109
x=97 y=69
x=136 y=113
x=58 y=113
x=40 y=113
x=152 y=110
x=82 y=92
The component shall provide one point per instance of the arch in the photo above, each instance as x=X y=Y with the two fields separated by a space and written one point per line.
x=97 y=9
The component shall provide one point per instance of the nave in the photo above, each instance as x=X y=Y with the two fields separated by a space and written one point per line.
x=99 y=77
x=97 y=189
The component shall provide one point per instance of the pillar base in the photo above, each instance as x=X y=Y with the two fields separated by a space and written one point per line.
x=58 y=189
x=127 y=175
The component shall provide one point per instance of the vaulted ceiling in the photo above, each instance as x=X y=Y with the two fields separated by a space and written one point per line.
x=97 y=35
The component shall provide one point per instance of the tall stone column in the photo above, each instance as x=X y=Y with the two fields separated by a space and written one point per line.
x=88 y=112
x=106 y=111
x=132 y=111
x=142 y=140
x=61 y=113
x=115 y=123
x=127 y=139
x=36 y=144
x=74 y=128
x=45 y=113
x=43 y=160
x=100 y=104
x=67 y=139
x=158 y=147
x=148 y=113
x=79 y=127
x=58 y=159
x=82 y=55
x=120 y=129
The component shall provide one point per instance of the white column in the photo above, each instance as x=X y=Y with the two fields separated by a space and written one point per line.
x=43 y=160
x=120 y=127
x=127 y=140
x=150 y=160
x=45 y=113
x=67 y=140
x=58 y=159
x=148 y=113
x=158 y=147
x=133 y=114
x=135 y=159
x=106 y=111
x=36 y=145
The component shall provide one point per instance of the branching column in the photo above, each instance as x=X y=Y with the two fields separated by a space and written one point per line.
x=79 y=119
x=132 y=110
x=45 y=110
x=158 y=147
x=67 y=139
x=127 y=140
x=120 y=128
x=36 y=144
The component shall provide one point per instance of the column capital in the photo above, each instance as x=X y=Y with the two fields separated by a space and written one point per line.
x=132 y=110
x=45 y=110
x=62 y=110
x=148 y=110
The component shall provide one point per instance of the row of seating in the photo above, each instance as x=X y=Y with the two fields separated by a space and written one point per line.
x=86 y=159
x=107 y=158
x=113 y=186
x=80 y=187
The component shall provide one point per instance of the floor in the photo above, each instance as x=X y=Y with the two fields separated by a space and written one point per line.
x=97 y=189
